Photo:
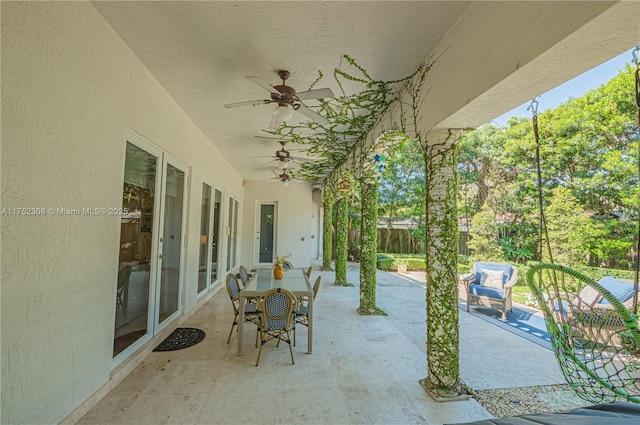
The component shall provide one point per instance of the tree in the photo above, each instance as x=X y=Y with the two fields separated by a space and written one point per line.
x=484 y=235
x=570 y=229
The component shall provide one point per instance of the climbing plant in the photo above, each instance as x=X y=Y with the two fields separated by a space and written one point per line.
x=328 y=198
x=350 y=116
x=443 y=378
x=342 y=145
x=342 y=224
x=368 y=247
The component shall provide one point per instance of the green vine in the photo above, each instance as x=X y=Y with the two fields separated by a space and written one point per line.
x=368 y=249
x=342 y=228
x=344 y=145
x=327 y=228
x=350 y=118
x=443 y=352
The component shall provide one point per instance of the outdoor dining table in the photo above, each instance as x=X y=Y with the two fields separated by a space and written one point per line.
x=295 y=280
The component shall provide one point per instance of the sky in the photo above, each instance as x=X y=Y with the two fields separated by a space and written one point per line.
x=572 y=88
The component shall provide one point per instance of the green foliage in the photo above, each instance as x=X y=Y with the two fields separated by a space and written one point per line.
x=350 y=117
x=569 y=228
x=369 y=243
x=390 y=262
x=483 y=236
x=589 y=147
x=342 y=224
x=327 y=230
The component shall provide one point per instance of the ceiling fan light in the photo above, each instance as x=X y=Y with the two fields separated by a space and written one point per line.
x=282 y=113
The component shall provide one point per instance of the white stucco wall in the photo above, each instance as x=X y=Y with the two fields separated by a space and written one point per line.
x=70 y=88
x=293 y=220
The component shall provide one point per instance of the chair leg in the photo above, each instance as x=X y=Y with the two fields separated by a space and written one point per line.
x=262 y=342
x=259 y=353
x=231 y=332
x=290 y=349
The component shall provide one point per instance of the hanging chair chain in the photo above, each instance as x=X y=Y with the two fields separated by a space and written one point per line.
x=542 y=223
x=636 y=61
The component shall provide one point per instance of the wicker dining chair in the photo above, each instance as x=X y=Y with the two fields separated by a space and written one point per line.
x=277 y=308
x=287 y=266
x=250 y=311
x=243 y=275
x=594 y=337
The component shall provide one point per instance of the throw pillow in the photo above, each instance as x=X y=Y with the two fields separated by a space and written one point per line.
x=491 y=278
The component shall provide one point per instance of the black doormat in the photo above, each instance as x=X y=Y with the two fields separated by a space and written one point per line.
x=181 y=338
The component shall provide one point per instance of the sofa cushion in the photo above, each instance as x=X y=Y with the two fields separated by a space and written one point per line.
x=620 y=290
x=505 y=268
x=483 y=291
x=491 y=278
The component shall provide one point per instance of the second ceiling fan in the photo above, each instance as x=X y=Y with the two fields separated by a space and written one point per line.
x=282 y=157
x=288 y=100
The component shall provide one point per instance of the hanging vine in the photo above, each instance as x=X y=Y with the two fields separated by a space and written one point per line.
x=350 y=116
x=343 y=145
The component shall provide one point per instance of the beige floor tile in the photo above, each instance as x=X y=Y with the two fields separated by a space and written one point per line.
x=363 y=370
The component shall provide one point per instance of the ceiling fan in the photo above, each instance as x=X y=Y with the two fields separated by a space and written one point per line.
x=288 y=100
x=285 y=178
x=282 y=157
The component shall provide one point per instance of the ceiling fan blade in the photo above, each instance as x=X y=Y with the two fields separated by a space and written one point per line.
x=315 y=94
x=312 y=115
x=301 y=159
x=262 y=84
x=248 y=103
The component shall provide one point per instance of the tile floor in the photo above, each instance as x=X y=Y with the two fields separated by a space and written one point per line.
x=364 y=370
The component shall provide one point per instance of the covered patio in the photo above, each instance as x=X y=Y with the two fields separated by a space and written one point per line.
x=129 y=192
x=364 y=369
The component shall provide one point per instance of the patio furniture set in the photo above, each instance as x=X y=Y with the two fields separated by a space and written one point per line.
x=274 y=305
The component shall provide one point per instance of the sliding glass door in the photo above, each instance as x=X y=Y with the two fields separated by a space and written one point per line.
x=149 y=282
x=209 y=238
x=170 y=260
x=232 y=233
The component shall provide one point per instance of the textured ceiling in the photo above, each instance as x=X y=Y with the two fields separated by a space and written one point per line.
x=201 y=52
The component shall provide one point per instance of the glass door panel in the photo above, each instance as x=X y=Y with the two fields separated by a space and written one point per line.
x=171 y=243
x=266 y=233
x=215 y=236
x=235 y=235
x=135 y=259
x=205 y=219
x=229 y=237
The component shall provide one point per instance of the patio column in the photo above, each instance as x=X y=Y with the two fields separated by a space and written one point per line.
x=443 y=338
x=327 y=229
x=342 y=229
x=368 y=247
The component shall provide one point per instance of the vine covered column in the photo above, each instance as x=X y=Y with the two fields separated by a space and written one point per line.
x=443 y=338
x=327 y=229
x=342 y=229
x=368 y=247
